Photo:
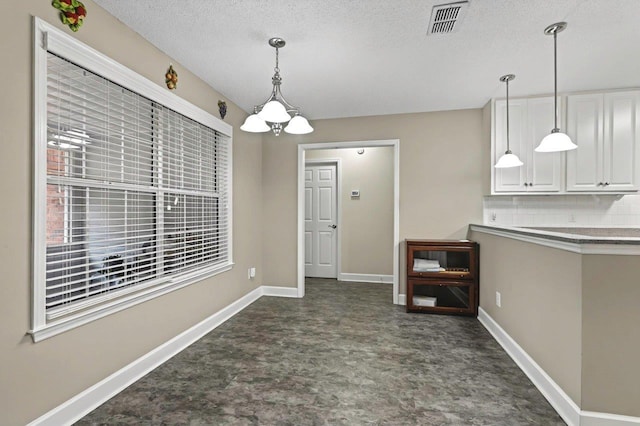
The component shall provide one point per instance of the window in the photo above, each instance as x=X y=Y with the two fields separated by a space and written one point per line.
x=132 y=187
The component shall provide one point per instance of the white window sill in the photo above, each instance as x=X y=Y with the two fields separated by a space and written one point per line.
x=56 y=327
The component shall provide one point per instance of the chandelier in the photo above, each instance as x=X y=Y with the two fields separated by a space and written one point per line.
x=275 y=111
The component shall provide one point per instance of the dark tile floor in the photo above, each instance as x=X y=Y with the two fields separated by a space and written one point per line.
x=343 y=355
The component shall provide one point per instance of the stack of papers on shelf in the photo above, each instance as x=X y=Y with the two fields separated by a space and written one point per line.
x=424 y=301
x=426 y=265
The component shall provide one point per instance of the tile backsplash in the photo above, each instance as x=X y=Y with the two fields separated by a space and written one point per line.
x=563 y=210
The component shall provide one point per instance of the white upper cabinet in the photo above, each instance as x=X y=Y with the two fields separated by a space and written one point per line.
x=530 y=120
x=606 y=128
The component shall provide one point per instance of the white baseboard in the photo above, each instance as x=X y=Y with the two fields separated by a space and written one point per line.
x=279 y=291
x=590 y=418
x=559 y=400
x=85 y=402
x=402 y=299
x=365 y=278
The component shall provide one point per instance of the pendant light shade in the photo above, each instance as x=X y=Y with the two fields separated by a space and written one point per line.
x=298 y=126
x=556 y=141
x=274 y=112
x=508 y=159
x=255 y=124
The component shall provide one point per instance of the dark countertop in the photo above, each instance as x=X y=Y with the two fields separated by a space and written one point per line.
x=575 y=235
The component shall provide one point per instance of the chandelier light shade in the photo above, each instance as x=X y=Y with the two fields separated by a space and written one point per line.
x=275 y=111
x=255 y=124
x=298 y=126
x=556 y=141
x=508 y=159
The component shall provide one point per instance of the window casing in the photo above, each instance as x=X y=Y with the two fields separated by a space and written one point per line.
x=132 y=187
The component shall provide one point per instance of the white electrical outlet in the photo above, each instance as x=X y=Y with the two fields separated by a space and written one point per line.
x=252 y=272
x=498 y=299
x=249 y=273
x=493 y=216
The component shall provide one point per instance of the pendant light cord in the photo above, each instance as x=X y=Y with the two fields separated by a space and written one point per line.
x=508 y=149
x=555 y=80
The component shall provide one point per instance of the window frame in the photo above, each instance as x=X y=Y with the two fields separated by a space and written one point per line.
x=48 y=38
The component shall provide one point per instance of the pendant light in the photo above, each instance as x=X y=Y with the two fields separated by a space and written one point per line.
x=275 y=111
x=508 y=159
x=555 y=141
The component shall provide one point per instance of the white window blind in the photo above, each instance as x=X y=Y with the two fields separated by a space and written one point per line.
x=137 y=195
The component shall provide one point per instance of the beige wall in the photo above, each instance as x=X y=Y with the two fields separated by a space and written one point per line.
x=611 y=334
x=541 y=309
x=35 y=378
x=441 y=176
x=367 y=221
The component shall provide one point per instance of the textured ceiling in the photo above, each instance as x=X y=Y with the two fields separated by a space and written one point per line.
x=348 y=58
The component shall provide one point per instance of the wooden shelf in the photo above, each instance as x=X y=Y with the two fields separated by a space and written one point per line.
x=453 y=291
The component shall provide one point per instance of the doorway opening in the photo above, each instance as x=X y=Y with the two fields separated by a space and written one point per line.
x=394 y=143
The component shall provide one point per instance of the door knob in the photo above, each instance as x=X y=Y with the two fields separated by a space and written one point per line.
x=332 y=226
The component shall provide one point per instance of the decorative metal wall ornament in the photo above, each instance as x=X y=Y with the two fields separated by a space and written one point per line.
x=171 y=78
x=222 y=105
x=72 y=13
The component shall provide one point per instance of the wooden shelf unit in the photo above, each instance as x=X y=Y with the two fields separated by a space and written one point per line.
x=454 y=287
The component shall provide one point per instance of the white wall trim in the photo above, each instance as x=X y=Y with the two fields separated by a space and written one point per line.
x=395 y=143
x=402 y=299
x=86 y=401
x=365 y=278
x=559 y=400
x=268 y=290
x=590 y=418
x=49 y=38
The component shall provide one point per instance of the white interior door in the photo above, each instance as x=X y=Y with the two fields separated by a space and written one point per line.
x=321 y=236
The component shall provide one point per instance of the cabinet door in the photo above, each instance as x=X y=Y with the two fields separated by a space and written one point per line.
x=544 y=169
x=620 y=151
x=446 y=262
x=441 y=296
x=514 y=178
x=585 y=128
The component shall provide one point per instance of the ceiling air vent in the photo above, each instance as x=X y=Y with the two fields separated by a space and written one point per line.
x=446 y=18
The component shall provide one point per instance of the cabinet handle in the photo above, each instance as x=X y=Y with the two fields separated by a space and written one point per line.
x=599 y=184
x=530 y=183
x=606 y=184
x=526 y=184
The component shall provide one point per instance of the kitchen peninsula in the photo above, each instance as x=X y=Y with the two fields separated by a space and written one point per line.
x=570 y=300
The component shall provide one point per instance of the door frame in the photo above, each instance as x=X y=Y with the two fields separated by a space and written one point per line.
x=338 y=198
x=395 y=143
